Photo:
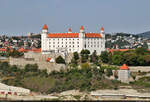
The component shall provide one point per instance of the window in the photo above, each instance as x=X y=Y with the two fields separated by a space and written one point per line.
x=73 y=42
x=66 y=42
x=54 y=46
x=77 y=42
x=62 y=42
x=73 y=45
x=62 y=45
x=78 y=45
x=69 y=42
x=58 y=42
x=53 y=42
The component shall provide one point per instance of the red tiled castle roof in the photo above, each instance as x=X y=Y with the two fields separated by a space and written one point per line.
x=73 y=35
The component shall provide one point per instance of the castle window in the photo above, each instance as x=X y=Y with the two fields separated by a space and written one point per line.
x=78 y=45
x=77 y=42
x=62 y=42
x=54 y=46
x=53 y=42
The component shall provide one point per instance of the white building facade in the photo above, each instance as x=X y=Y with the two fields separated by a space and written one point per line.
x=72 y=42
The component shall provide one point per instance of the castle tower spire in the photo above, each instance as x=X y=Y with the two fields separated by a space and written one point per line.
x=81 y=29
x=69 y=30
x=45 y=29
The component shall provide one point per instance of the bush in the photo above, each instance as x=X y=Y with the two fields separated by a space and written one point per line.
x=60 y=60
x=109 y=72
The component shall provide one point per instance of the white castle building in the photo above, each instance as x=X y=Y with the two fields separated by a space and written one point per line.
x=72 y=42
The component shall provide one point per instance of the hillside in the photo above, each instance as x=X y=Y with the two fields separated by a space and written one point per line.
x=145 y=34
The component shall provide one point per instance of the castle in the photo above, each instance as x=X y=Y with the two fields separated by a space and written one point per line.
x=72 y=42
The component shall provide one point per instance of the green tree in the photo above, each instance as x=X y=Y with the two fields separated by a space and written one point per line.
x=60 y=60
x=109 y=72
x=117 y=59
x=76 y=55
x=105 y=57
x=84 y=55
x=141 y=51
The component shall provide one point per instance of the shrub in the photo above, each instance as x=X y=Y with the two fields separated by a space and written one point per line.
x=60 y=60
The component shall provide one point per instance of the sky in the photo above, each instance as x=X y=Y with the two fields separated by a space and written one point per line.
x=18 y=17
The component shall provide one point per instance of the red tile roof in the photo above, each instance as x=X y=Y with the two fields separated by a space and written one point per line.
x=63 y=35
x=93 y=35
x=2 y=49
x=124 y=67
x=48 y=59
x=45 y=27
x=112 y=50
x=73 y=35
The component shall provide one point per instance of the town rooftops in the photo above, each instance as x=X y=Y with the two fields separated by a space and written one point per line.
x=124 y=67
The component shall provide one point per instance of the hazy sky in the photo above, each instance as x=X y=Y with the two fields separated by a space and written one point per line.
x=21 y=16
